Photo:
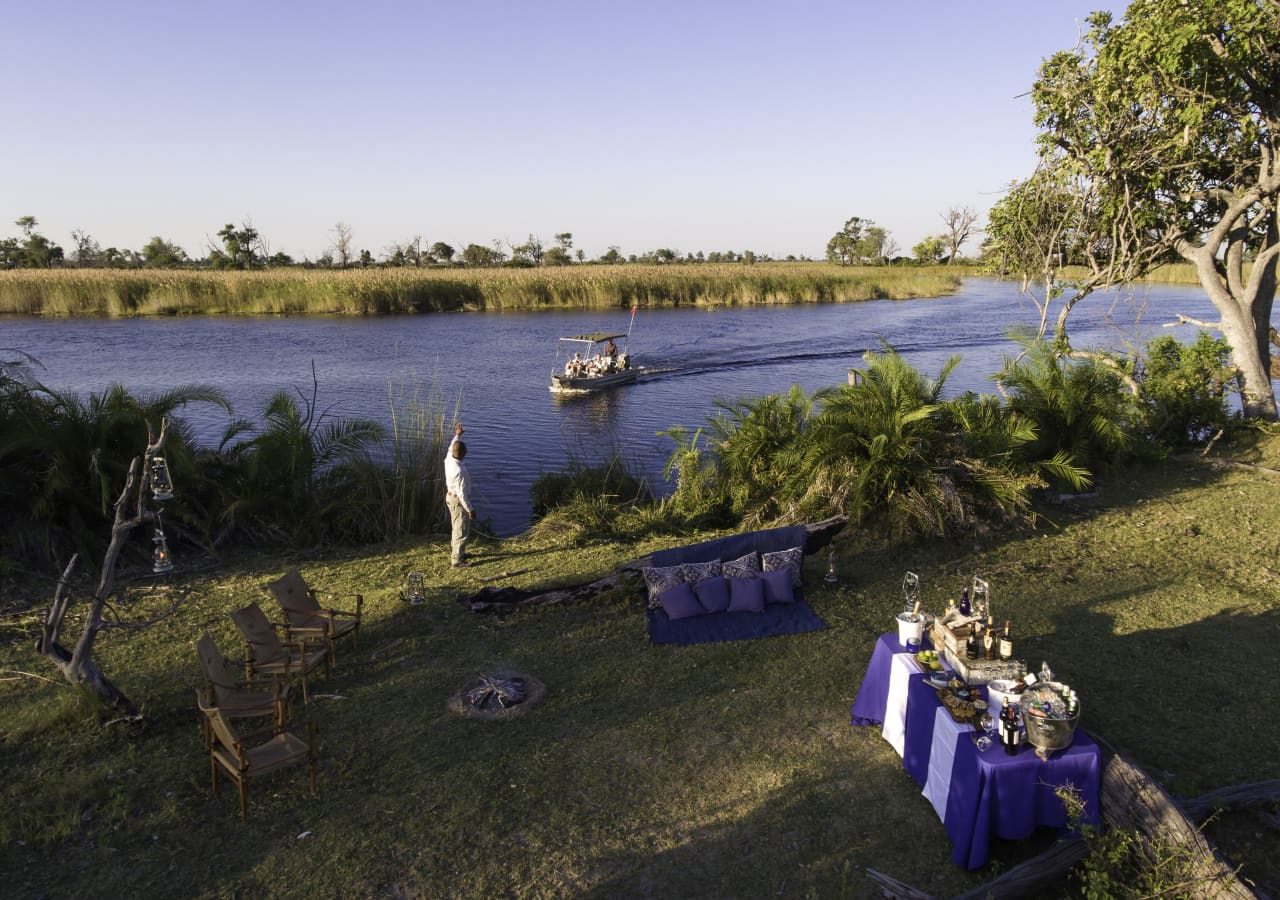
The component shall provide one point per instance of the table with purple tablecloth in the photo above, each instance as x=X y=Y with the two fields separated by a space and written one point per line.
x=978 y=794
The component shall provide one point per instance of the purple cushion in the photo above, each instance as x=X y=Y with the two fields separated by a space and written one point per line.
x=713 y=594
x=680 y=603
x=791 y=559
x=746 y=595
x=778 y=587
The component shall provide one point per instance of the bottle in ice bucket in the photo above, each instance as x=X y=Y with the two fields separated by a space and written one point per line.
x=1009 y=728
x=1046 y=674
x=913 y=643
x=965 y=608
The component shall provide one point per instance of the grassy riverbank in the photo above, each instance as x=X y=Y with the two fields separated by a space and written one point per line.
x=103 y=292
x=725 y=770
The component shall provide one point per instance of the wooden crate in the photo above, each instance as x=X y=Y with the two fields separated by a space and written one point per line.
x=983 y=671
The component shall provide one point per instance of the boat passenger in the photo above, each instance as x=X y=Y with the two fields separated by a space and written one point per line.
x=611 y=349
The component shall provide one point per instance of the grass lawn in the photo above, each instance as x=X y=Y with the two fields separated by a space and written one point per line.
x=726 y=770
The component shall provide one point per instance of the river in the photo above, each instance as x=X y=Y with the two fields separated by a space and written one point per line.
x=494 y=367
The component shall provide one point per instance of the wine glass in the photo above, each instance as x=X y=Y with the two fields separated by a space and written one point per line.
x=988 y=726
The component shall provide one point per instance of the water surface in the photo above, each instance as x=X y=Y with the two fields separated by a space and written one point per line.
x=495 y=367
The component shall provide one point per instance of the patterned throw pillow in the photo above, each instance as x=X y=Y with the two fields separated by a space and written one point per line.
x=661 y=579
x=696 y=573
x=742 y=567
x=791 y=559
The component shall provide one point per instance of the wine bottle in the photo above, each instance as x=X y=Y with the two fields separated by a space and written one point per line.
x=1009 y=729
x=973 y=647
x=1006 y=643
x=965 y=609
x=989 y=639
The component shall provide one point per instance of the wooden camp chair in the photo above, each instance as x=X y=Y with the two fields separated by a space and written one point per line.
x=308 y=619
x=229 y=753
x=235 y=701
x=266 y=654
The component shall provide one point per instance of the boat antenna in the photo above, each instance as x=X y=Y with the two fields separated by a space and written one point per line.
x=634 y=307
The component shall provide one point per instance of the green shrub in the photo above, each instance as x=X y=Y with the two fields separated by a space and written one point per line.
x=1184 y=389
x=611 y=482
x=1080 y=408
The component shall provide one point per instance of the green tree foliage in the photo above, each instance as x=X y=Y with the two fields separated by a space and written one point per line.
x=479 y=256
x=1166 y=127
x=33 y=251
x=843 y=246
x=241 y=248
x=556 y=256
x=161 y=254
x=1184 y=389
x=442 y=252
x=929 y=250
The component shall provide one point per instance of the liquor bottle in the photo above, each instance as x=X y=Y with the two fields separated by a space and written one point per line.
x=973 y=647
x=1009 y=729
x=1006 y=643
x=989 y=639
x=965 y=609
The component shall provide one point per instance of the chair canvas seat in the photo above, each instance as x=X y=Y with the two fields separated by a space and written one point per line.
x=229 y=755
x=266 y=655
x=232 y=699
x=305 y=616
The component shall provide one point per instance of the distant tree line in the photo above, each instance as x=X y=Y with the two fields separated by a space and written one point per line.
x=243 y=246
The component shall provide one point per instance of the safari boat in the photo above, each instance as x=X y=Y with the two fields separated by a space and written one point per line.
x=592 y=362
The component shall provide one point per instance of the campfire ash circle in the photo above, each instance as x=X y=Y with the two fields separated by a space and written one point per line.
x=498 y=695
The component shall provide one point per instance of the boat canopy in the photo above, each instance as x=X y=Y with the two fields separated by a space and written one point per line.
x=594 y=337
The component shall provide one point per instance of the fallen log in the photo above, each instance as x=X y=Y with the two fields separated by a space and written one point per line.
x=1239 y=796
x=504 y=600
x=817 y=536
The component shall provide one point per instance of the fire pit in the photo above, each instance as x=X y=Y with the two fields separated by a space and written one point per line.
x=498 y=695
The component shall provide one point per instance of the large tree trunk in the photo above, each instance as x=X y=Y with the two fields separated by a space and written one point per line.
x=1245 y=305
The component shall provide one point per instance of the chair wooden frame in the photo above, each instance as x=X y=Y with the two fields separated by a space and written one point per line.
x=233 y=700
x=307 y=618
x=266 y=654
x=228 y=753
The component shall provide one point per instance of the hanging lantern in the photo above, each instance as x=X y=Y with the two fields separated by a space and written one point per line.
x=161 y=562
x=831 y=578
x=415 y=592
x=161 y=483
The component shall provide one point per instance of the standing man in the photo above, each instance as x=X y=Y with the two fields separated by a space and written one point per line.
x=457 y=485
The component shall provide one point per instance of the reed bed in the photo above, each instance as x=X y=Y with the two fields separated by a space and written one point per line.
x=362 y=292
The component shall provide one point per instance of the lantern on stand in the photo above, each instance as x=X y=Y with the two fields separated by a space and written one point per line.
x=831 y=579
x=161 y=562
x=414 y=589
x=161 y=490
x=161 y=483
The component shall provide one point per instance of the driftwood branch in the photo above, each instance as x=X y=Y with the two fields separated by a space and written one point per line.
x=78 y=666
x=1199 y=323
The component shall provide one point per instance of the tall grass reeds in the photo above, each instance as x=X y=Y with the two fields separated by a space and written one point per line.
x=117 y=293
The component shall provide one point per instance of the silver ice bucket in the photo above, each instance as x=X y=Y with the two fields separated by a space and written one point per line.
x=1048 y=733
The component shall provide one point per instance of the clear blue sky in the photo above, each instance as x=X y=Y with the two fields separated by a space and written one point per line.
x=693 y=125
